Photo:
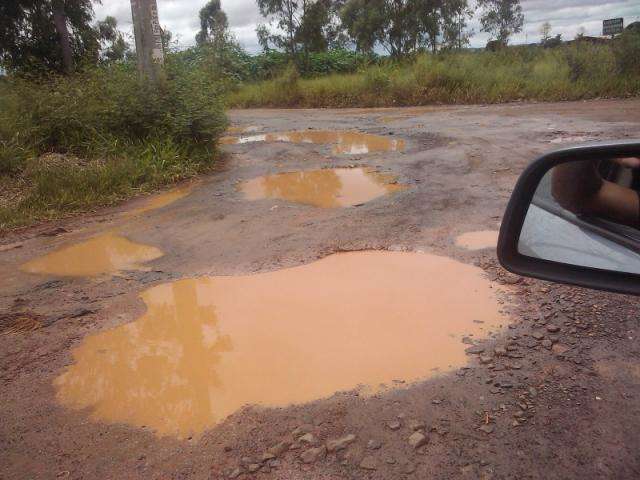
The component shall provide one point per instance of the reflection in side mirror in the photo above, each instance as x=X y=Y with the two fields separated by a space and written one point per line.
x=574 y=217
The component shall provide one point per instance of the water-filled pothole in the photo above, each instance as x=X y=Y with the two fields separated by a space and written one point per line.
x=327 y=188
x=343 y=142
x=162 y=199
x=106 y=253
x=478 y=240
x=206 y=347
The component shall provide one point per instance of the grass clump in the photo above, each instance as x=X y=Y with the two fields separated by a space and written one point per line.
x=569 y=72
x=69 y=144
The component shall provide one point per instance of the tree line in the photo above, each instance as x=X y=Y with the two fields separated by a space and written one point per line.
x=398 y=26
x=59 y=35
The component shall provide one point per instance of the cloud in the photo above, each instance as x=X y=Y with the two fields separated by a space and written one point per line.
x=566 y=18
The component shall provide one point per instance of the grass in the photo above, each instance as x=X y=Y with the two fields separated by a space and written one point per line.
x=71 y=144
x=575 y=72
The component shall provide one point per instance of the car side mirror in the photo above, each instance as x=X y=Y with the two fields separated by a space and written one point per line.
x=574 y=217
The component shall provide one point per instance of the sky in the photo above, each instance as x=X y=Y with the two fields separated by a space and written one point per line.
x=566 y=17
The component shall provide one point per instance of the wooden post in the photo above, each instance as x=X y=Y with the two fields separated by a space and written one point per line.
x=148 y=34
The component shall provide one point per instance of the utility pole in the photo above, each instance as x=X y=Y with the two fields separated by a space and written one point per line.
x=148 y=34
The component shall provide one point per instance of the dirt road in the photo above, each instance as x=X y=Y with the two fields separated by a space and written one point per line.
x=106 y=345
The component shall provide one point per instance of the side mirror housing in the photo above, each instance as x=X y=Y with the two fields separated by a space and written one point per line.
x=574 y=217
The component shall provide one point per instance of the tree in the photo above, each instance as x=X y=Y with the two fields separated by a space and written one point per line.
x=399 y=26
x=301 y=25
x=45 y=35
x=213 y=24
x=287 y=15
x=501 y=18
x=454 y=23
x=545 y=32
x=365 y=22
x=113 y=46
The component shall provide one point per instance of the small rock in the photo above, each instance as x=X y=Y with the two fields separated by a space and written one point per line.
x=313 y=454
x=417 y=425
x=254 y=467
x=512 y=279
x=553 y=328
x=340 y=443
x=235 y=473
x=486 y=428
x=267 y=456
x=559 y=349
x=533 y=392
x=475 y=350
x=409 y=468
x=547 y=344
x=302 y=429
x=369 y=463
x=308 y=438
x=245 y=461
x=538 y=335
x=417 y=439
x=390 y=460
x=436 y=402
x=485 y=359
x=500 y=351
x=374 y=444
x=279 y=448
x=274 y=463
x=53 y=232
x=394 y=425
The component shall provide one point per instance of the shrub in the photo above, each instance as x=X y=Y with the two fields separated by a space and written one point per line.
x=627 y=52
x=128 y=136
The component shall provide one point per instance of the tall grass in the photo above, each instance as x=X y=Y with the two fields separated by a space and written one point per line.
x=69 y=144
x=574 y=72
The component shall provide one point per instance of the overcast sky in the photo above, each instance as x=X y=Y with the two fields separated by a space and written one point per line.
x=566 y=17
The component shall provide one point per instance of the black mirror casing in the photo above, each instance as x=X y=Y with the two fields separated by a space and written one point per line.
x=517 y=209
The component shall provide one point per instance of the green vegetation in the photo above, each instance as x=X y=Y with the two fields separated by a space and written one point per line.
x=570 y=72
x=79 y=128
x=70 y=143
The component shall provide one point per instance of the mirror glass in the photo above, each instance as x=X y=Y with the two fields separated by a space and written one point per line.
x=587 y=213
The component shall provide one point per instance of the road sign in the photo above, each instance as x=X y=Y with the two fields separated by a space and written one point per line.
x=612 y=26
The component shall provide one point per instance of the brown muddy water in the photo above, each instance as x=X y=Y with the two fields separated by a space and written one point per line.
x=478 y=240
x=160 y=200
x=105 y=253
x=327 y=188
x=208 y=346
x=343 y=142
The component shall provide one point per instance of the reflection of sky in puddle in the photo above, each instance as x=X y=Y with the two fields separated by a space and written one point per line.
x=343 y=142
x=478 y=240
x=327 y=188
x=106 y=253
x=205 y=347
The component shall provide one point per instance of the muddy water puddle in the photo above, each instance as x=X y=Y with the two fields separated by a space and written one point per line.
x=327 y=188
x=106 y=253
x=478 y=240
x=343 y=142
x=162 y=200
x=208 y=346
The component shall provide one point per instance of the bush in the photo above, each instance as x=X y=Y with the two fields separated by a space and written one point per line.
x=118 y=136
x=627 y=52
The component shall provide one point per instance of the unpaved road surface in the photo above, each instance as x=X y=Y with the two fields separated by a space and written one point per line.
x=553 y=394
